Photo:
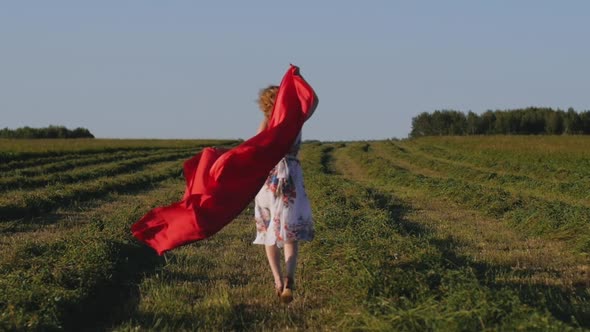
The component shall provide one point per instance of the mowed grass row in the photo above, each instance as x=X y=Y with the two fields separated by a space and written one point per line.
x=30 y=203
x=98 y=169
x=577 y=192
x=41 y=166
x=542 y=157
x=81 y=272
x=224 y=283
x=87 y=183
x=77 y=266
x=369 y=268
x=12 y=150
x=478 y=235
x=554 y=219
x=543 y=274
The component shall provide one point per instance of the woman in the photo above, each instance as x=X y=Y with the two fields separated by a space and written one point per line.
x=282 y=210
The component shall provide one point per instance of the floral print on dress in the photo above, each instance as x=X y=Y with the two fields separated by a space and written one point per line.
x=282 y=210
x=261 y=220
x=272 y=181
x=283 y=187
x=277 y=228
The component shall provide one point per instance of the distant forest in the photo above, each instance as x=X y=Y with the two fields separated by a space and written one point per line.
x=524 y=121
x=47 y=132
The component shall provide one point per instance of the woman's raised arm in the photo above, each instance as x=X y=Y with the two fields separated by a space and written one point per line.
x=263 y=125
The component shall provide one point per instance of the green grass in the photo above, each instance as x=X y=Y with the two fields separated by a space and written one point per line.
x=546 y=278
x=559 y=189
x=544 y=157
x=20 y=150
x=124 y=164
x=63 y=278
x=46 y=165
x=534 y=214
x=27 y=204
x=406 y=240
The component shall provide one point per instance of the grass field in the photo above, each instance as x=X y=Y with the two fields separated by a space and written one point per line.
x=439 y=234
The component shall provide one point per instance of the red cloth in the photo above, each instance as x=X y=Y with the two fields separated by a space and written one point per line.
x=221 y=183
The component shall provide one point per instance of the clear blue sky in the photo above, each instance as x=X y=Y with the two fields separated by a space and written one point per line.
x=192 y=69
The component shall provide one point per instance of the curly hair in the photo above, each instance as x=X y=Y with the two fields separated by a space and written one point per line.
x=266 y=99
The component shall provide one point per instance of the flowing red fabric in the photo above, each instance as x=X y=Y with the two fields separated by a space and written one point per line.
x=221 y=183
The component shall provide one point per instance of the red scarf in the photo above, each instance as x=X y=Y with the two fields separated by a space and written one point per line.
x=221 y=183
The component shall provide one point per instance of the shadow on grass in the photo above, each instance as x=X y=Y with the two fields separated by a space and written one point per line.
x=117 y=301
x=252 y=316
x=117 y=298
x=239 y=317
x=571 y=306
x=327 y=159
x=234 y=279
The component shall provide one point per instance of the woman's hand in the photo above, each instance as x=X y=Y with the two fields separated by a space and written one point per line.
x=313 y=106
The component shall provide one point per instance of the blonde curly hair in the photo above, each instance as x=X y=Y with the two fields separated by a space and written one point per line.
x=266 y=99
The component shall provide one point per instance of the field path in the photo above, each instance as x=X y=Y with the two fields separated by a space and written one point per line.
x=222 y=283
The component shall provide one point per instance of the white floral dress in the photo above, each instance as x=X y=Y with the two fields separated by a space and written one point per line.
x=281 y=208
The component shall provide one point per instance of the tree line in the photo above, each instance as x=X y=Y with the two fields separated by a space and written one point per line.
x=47 y=132
x=524 y=121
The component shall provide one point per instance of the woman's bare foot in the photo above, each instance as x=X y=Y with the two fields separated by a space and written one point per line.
x=278 y=288
x=287 y=294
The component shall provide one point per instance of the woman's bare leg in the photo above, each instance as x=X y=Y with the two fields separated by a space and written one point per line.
x=291 y=251
x=274 y=259
x=291 y=263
